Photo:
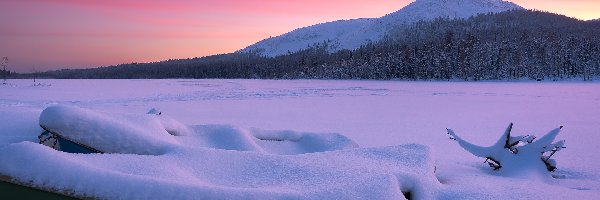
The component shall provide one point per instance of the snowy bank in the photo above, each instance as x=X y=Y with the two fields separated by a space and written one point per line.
x=165 y=159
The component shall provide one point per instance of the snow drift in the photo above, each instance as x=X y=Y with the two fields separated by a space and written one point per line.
x=273 y=142
x=191 y=173
x=211 y=161
x=155 y=134
x=139 y=134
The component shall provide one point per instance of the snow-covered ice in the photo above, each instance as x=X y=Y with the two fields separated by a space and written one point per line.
x=273 y=139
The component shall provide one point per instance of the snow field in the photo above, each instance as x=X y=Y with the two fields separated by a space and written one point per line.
x=383 y=117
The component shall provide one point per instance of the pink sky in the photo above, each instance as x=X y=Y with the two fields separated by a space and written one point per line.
x=54 y=34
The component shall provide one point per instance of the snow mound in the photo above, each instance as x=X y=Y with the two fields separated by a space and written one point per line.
x=136 y=134
x=266 y=141
x=172 y=126
x=154 y=134
x=192 y=173
x=351 y=34
x=211 y=161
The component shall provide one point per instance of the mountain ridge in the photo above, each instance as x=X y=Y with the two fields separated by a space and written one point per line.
x=351 y=34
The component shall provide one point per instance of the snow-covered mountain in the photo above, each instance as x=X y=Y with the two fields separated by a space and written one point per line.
x=351 y=34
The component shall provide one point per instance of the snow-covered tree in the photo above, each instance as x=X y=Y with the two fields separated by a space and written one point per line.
x=4 y=71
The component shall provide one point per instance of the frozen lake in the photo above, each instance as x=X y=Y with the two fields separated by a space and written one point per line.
x=372 y=113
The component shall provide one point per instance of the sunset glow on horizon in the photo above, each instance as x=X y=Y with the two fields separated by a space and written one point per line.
x=54 y=34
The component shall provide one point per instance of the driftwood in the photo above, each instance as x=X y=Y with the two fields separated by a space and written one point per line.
x=508 y=146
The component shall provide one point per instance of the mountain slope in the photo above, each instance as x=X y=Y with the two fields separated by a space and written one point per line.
x=351 y=34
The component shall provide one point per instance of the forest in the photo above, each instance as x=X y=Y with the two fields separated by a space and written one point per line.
x=512 y=45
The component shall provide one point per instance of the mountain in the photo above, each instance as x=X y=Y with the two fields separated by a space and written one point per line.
x=513 y=45
x=351 y=34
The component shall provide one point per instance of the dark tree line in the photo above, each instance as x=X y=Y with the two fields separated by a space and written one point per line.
x=5 y=73
x=518 y=44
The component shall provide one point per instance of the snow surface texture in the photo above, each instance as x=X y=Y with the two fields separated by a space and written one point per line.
x=378 y=115
x=351 y=34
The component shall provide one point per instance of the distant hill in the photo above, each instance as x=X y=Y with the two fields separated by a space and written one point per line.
x=351 y=34
x=518 y=44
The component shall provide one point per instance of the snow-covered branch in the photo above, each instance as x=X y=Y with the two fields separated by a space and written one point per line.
x=521 y=153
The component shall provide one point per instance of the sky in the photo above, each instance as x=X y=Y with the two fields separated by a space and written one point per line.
x=40 y=35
